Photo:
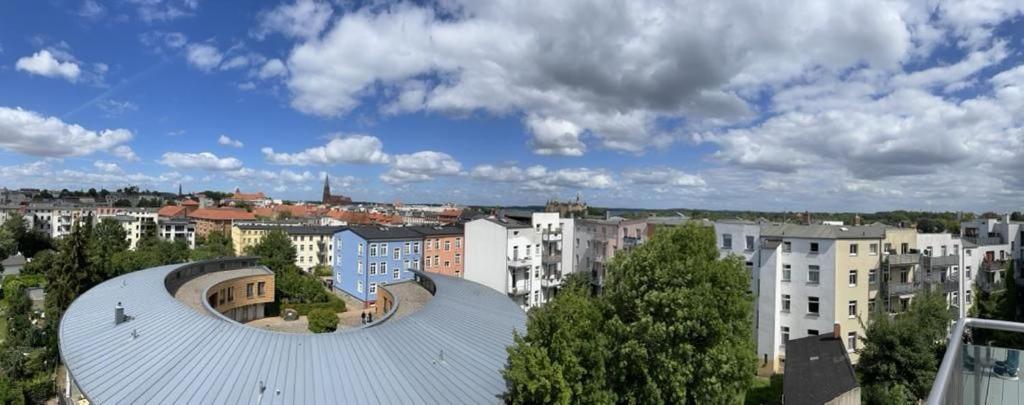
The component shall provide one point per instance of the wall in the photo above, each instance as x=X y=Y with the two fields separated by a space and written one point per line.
x=863 y=262
x=450 y=261
x=237 y=307
x=347 y=264
x=486 y=254
x=799 y=321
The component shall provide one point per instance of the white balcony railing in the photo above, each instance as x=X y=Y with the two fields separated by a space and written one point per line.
x=968 y=372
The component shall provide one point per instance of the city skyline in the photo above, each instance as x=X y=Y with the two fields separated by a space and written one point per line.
x=844 y=108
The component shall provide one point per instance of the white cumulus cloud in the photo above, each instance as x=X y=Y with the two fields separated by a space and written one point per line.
x=31 y=133
x=202 y=160
x=361 y=149
x=227 y=141
x=44 y=63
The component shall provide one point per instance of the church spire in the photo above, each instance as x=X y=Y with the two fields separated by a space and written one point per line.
x=327 y=189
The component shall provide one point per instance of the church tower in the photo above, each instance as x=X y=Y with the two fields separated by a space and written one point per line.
x=327 y=189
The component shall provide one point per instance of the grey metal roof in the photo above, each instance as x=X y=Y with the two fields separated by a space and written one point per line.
x=823 y=231
x=183 y=356
x=296 y=229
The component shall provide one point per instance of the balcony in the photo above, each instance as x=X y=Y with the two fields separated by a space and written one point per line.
x=519 y=262
x=977 y=374
x=551 y=235
x=986 y=285
x=631 y=241
x=520 y=288
x=551 y=258
x=993 y=265
x=941 y=261
x=904 y=259
x=904 y=288
x=552 y=281
x=599 y=259
x=985 y=240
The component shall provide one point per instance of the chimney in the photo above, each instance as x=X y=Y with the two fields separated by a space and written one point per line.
x=118 y=314
x=837 y=331
x=856 y=220
x=807 y=217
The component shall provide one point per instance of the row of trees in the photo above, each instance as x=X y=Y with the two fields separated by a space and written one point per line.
x=674 y=325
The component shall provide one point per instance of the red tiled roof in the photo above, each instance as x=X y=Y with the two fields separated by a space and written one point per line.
x=190 y=203
x=171 y=211
x=249 y=196
x=221 y=214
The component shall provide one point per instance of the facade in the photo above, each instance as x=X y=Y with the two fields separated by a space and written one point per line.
x=812 y=278
x=443 y=249
x=136 y=222
x=605 y=238
x=367 y=257
x=741 y=238
x=173 y=229
x=314 y=245
x=218 y=219
x=505 y=254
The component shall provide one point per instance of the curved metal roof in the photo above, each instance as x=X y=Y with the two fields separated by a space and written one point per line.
x=451 y=351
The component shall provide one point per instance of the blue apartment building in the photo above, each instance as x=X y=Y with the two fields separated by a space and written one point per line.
x=366 y=257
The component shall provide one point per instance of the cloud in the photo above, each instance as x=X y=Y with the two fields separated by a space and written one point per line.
x=539 y=178
x=299 y=19
x=225 y=140
x=202 y=160
x=107 y=167
x=663 y=176
x=90 y=9
x=30 y=133
x=203 y=56
x=421 y=166
x=114 y=108
x=273 y=68
x=47 y=174
x=125 y=152
x=159 y=39
x=236 y=62
x=356 y=149
x=164 y=10
x=44 y=63
x=552 y=136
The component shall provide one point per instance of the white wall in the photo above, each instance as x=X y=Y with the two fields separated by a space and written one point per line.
x=485 y=250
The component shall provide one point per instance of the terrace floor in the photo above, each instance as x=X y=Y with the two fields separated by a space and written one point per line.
x=988 y=388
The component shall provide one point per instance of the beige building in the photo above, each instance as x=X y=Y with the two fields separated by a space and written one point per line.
x=313 y=244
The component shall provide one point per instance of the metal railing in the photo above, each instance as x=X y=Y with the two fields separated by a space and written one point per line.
x=904 y=259
x=941 y=261
x=950 y=385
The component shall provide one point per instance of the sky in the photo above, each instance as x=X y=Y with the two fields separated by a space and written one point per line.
x=799 y=105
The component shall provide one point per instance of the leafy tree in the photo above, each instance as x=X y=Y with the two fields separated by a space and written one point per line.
x=19 y=326
x=122 y=203
x=901 y=354
x=8 y=242
x=930 y=225
x=275 y=251
x=323 y=270
x=887 y=394
x=651 y=338
x=322 y=320
x=108 y=240
x=214 y=245
x=41 y=263
x=71 y=276
x=1002 y=305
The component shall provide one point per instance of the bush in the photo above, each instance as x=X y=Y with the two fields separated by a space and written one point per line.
x=333 y=304
x=38 y=389
x=322 y=320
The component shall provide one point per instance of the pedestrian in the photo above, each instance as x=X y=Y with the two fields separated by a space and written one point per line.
x=363 y=315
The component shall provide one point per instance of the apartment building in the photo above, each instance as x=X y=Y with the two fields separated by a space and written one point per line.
x=136 y=221
x=505 y=254
x=368 y=256
x=813 y=279
x=740 y=238
x=994 y=244
x=603 y=239
x=314 y=245
x=180 y=228
x=218 y=219
x=443 y=249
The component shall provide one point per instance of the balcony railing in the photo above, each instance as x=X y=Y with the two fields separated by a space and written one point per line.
x=985 y=240
x=993 y=265
x=551 y=258
x=631 y=241
x=904 y=288
x=520 y=288
x=987 y=285
x=973 y=374
x=551 y=235
x=517 y=262
x=904 y=259
x=551 y=281
x=941 y=261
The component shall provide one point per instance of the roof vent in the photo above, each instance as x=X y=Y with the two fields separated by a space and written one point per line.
x=119 y=317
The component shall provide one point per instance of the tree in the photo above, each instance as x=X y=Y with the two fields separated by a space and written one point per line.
x=214 y=245
x=122 y=203
x=930 y=225
x=901 y=354
x=322 y=320
x=41 y=263
x=1001 y=305
x=275 y=251
x=108 y=240
x=71 y=276
x=8 y=242
x=651 y=338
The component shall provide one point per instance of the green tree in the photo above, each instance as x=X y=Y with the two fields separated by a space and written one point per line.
x=322 y=320
x=71 y=276
x=214 y=245
x=650 y=338
x=901 y=354
x=1001 y=304
x=108 y=240
x=275 y=251
x=122 y=203
x=41 y=263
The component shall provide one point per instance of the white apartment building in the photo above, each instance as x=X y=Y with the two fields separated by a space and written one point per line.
x=556 y=255
x=741 y=238
x=172 y=229
x=135 y=221
x=506 y=255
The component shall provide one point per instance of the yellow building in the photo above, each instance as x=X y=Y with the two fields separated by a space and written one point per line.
x=313 y=244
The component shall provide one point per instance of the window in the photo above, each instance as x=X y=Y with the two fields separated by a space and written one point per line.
x=373 y=249
x=943 y=248
x=726 y=241
x=750 y=242
x=851 y=308
x=853 y=249
x=435 y=260
x=397 y=274
x=373 y=288
x=359 y=285
x=853 y=278
x=382 y=269
x=812 y=332
x=871 y=305
x=812 y=305
x=785 y=302
x=231 y=294
x=447 y=246
x=785 y=334
x=814 y=247
x=373 y=269
x=873 y=249
x=887 y=247
x=408 y=247
x=359 y=267
x=458 y=258
x=415 y=247
x=851 y=342
x=787 y=272
x=813 y=274
x=967 y=296
x=904 y=248
x=383 y=249
x=248 y=290
x=406 y=265
x=904 y=277
x=458 y=242
x=397 y=254
x=261 y=288
x=787 y=246
x=967 y=271
x=872 y=276
x=447 y=264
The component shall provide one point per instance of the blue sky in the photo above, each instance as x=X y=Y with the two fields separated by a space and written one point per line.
x=837 y=106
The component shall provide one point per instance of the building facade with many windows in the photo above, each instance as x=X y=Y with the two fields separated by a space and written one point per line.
x=366 y=257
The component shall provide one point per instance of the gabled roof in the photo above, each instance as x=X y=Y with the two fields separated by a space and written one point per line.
x=221 y=214
x=171 y=211
x=817 y=231
x=817 y=370
x=257 y=196
x=426 y=230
